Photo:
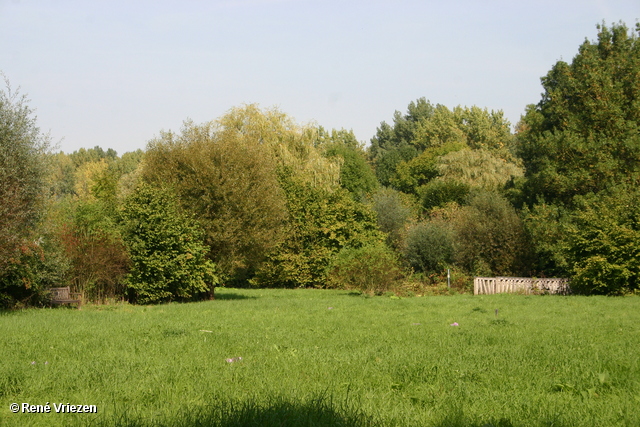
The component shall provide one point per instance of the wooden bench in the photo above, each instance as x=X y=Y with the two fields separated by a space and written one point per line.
x=65 y=296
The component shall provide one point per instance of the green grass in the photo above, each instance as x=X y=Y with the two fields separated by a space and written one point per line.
x=313 y=357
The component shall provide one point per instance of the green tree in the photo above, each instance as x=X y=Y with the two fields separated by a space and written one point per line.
x=429 y=246
x=578 y=144
x=411 y=175
x=321 y=223
x=583 y=136
x=168 y=258
x=356 y=175
x=603 y=243
x=427 y=128
x=22 y=175
x=227 y=179
x=478 y=168
x=226 y=173
x=393 y=213
x=489 y=237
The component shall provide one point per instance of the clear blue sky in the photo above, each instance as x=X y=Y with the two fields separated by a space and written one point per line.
x=115 y=73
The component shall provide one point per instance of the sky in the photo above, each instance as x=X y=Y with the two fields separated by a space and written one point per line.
x=115 y=73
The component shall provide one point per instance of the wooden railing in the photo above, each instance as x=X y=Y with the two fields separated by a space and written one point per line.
x=526 y=285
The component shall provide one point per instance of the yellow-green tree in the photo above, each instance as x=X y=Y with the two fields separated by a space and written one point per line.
x=226 y=172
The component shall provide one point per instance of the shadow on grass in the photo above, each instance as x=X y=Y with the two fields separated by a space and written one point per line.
x=457 y=418
x=275 y=412
x=231 y=295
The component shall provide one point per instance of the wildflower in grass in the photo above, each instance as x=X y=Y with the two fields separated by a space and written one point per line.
x=330 y=308
x=46 y=363
x=234 y=359
x=455 y=324
x=33 y=363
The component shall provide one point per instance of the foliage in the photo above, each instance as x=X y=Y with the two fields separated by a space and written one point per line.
x=546 y=226
x=22 y=175
x=583 y=135
x=295 y=147
x=489 y=237
x=429 y=247
x=227 y=178
x=92 y=155
x=427 y=126
x=92 y=242
x=62 y=181
x=479 y=168
x=373 y=269
x=438 y=192
x=356 y=175
x=320 y=224
x=168 y=260
x=415 y=173
x=603 y=243
x=39 y=266
x=387 y=162
x=392 y=214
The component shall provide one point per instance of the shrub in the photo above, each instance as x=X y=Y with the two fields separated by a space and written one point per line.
x=166 y=249
x=321 y=224
x=93 y=245
x=392 y=214
x=489 y=237
x=429 y=247
x=372 y=269
x=602 y=243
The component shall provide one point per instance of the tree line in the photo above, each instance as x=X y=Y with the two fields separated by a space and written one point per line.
x=255 y=199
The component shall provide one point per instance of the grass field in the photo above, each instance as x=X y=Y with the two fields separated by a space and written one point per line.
x=314 y=357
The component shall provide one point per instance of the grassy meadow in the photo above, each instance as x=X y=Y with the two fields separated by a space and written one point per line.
x=319 y=357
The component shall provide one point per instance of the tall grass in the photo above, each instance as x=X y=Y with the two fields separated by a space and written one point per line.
x=314 y=357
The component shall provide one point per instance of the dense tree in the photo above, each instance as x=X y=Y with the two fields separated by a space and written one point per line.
x=583 y=136
x=22 y=175
x=479 y=168
x=356 y=175
x=321 y=223
x=489 y=236
x=168 y=258
x=429 y=246
x=229 y=181
x=428 y=126
x=580 y=144
x=393 y=213
x=602 y=243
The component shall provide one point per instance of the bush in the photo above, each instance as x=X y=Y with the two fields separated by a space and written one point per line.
x=321 y=224
x=373 y=269
x=392 y=214
x=26 y=281
x=94 y=247
x=429 y=247
x=490 y=237
x=166 y=249
x=602 y=243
